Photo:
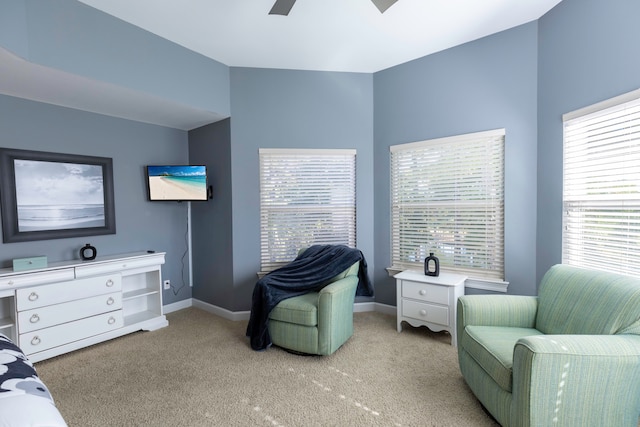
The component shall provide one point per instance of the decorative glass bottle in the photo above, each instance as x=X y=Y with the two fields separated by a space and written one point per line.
x=431 y=265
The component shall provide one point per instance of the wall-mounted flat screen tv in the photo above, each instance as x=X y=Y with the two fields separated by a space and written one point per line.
x=177 y=183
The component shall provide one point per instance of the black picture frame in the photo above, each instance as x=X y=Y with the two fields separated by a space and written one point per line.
x=64 y=201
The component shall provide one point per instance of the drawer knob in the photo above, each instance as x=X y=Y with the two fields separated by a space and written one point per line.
x=111 y=320
x=34 y=319
x=109 y=283
x=110 y=301
x=10 y=282
x=33 y=296
x=422 y=292
x=35 y=340
x=423 y=312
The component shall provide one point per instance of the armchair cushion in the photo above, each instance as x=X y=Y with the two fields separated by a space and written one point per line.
x=492 y=348
x=302 y=310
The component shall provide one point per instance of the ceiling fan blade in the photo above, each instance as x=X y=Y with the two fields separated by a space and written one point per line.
x=282 y=7
x=383 y=5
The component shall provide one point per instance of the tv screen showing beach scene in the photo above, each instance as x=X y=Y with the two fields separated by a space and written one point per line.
x=177 y=183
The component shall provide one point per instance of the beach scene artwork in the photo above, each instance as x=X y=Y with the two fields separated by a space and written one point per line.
x=177 y=182
x=58 y=196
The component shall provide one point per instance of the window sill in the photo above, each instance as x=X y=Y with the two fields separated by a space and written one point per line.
x=471 y=283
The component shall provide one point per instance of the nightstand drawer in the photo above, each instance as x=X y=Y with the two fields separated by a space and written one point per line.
x=425 y=292
x=426 y=312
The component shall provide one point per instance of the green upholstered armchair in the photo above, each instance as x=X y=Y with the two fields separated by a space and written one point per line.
x=568 y=357
x=317 y=322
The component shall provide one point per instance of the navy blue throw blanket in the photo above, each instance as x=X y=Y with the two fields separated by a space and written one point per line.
x=309 y=272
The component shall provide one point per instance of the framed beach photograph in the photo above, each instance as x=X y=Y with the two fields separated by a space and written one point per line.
x=53 y=196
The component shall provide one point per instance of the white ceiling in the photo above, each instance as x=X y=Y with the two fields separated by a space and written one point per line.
x=325 y=35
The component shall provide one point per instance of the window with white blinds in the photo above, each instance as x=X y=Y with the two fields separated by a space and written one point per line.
x=601 y=189
x=307 y=197
x=447 y=197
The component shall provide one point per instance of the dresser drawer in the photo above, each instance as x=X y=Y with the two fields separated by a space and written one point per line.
x=44 y=339
x=37 y=278
x=426 y=312
x=30 y=298
x=44 y=317
x=425 y=292
x=121 y=265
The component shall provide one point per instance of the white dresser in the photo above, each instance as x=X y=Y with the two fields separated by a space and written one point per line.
x=429 y=301
x=70 y=305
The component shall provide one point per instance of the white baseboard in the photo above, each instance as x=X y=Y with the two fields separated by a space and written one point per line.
x=170 y=308
x=358 y=307
x=361 y=307
x=222 y=312
x=386 y=309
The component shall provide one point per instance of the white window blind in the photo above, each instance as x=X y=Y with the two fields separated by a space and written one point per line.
x=447 y=197
x=307 y=197
x=601 y=189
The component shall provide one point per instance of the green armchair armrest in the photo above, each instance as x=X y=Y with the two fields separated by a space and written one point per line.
x=335 y=313
x=518 y=311
x=575 y=373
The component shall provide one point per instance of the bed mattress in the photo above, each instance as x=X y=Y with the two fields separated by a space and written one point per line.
x=24 y=399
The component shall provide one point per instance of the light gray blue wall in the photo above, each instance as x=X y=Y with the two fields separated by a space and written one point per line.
x=487 y=84
x=140 y=225
x=523 y=79
x=294 y=109
x=212 y=220
x=588 y=53
x=13 y=27
x=71 y=36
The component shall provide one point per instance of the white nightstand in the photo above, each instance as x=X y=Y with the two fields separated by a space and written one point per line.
x=429 y=301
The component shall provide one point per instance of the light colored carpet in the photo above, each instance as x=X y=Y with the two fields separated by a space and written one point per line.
x=200 y=371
